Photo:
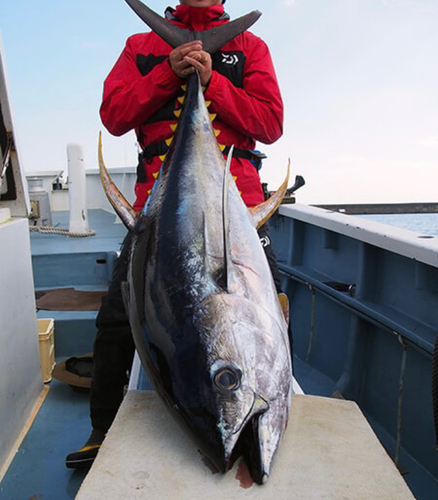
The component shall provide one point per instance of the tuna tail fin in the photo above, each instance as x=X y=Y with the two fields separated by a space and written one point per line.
x=212 y=40
x=261 y=213
x=215 y=38
x=167 y=31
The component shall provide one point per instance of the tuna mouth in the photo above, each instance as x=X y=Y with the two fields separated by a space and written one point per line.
x=248 y=443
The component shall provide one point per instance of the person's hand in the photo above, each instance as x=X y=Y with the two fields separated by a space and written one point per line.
x=177 y=58
x=201 y=60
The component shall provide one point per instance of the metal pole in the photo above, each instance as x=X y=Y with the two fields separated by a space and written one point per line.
x=77 y=189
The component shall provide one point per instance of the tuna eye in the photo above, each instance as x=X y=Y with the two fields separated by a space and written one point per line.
x=227 y=379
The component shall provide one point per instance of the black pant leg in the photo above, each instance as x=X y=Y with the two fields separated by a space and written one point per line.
x=113 y=348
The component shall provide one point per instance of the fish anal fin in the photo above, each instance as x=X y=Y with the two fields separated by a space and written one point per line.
x=262 y=212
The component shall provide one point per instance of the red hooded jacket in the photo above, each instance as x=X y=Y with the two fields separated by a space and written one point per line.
x=142 y=91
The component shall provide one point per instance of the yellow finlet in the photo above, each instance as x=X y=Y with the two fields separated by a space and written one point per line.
x=181 y=100
x=150 y=191
x=162 y=157
x=156 y=174
x=204 y=88
x=177 y=112
x=169 y=141
x=284 y=304
x=207 y=103
x=173 y=126
x=212 y=116
x=216 y=132
x=184 y=87
x=222 y=147
x=235 y=178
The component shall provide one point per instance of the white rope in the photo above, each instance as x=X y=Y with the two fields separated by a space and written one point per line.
x=64 y=232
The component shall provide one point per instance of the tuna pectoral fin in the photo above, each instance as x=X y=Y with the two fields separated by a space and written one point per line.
x=261 y=213
x=212 y=39
x=123 y=209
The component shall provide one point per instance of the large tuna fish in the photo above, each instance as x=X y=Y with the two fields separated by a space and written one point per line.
x=205 y=315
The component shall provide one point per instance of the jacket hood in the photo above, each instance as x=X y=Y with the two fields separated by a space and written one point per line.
x=194 y=18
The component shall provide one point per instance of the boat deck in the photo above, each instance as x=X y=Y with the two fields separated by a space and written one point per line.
x=109 y=235
x=38 y=469
x=62 y=423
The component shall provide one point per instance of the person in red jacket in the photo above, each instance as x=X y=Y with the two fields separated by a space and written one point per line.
x=143 y=92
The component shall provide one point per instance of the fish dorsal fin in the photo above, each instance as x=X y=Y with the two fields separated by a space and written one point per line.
x=212 y=39
x=122 y=207
x=228 y=263
x=261 y=213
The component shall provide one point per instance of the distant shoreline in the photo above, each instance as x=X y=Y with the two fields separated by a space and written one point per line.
x=383 y=208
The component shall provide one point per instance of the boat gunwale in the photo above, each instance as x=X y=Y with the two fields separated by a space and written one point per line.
x=416 y=246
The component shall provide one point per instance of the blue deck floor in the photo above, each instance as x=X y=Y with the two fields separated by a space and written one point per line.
x=62 y=425
x=38 y=469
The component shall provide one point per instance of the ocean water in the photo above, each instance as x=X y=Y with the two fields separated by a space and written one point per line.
x=419 y=223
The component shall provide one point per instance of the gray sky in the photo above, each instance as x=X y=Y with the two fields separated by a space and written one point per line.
x=359 y=80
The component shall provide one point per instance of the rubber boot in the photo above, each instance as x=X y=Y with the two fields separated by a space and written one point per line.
x=86 y=455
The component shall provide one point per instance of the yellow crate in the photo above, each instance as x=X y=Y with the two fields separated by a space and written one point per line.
x=46 y=328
